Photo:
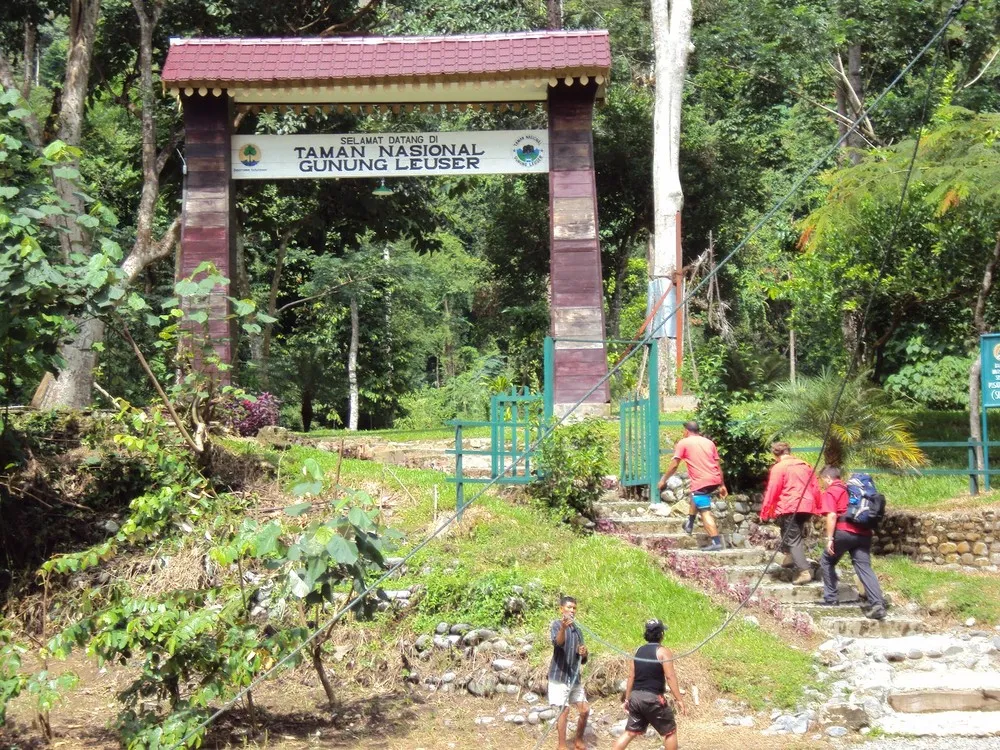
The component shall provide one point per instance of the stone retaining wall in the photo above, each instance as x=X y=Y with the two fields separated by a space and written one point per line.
x=970 y=538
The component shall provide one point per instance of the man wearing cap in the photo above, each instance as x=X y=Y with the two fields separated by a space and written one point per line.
x=650 y=672
x=705 y=473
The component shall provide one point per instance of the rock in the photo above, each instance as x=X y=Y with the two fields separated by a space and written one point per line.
x=844 y=714
x=517 y=719
x=971 y=622
x=933 y=654
x=448 y=677
x=472 y=638
x=423 y=642
x=442 y=628
x=751 y=620
x=533 y=718
x=618 y=728
x=953 y=649
x=482 y=687
x=546 y=714
x=530 y=697
x=836 y=731
x=110 y=526
x=460 y=629
x=873 y=708
x=501 y=665
x=441 y=642
x=996 y=642
x=915 y=654
x=483 y=720
x=895 y=656
x=738 y=721
x=453 y=640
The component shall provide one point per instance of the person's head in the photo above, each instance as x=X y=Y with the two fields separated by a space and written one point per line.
x=654 y=631
x=691 y=428
x=567 y=605
x=829 y=475
x=781 y=448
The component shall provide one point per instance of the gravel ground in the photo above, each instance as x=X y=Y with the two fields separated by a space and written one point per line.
x=932 y=743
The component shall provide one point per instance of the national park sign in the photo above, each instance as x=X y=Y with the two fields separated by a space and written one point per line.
x=270 y=157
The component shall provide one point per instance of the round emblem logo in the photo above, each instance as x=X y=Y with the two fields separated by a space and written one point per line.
x=527 y=150
x=996 y=352
x=250 y=155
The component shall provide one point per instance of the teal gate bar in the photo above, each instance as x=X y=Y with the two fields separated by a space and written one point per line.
x=639 y=432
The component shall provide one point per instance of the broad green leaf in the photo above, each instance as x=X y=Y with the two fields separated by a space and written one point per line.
x=360 y=519
x=298 y=509
x=185 y=288
x=343 y=551
x=300 y=589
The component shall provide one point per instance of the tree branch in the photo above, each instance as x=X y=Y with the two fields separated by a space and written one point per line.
x=325 y=292
x=985 y=68
x=142 y=255
x=346 y=25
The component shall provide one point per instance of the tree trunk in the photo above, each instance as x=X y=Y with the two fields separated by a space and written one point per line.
x=555 y=14
x=272 y=306
x=672 y=39
x=72 y=387
x=352 y=367
x=306 y=409
x=975 y=372
x=30 y=47
x=317 y=660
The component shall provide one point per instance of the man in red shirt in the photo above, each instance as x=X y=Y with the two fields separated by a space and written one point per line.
x=843 y=536
x=705 y=472
x=792 y=497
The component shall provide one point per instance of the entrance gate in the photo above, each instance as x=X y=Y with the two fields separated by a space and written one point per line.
x=518 y=419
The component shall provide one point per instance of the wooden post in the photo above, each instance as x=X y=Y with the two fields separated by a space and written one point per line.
x=208 y=226
x=577 y=306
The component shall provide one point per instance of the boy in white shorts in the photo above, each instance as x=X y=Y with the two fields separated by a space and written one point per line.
x=565 y=686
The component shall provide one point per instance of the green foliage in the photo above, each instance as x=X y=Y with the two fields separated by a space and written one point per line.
x=12 y=681
x=957 y=595
x=479 y=600
x=572 y=462
x=865 y=428
x=930 y=379
x=740 y=439
x=40 y=288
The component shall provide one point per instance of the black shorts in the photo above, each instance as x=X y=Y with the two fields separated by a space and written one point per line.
x=645 y=709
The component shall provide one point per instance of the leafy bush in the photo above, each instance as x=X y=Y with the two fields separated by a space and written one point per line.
x=740 y=440
x=931 y=380
x=571 y=463
x=246 y=416
x=491 y=600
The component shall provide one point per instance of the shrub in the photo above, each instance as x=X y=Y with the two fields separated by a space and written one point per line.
x=937 y=383
x=246 y=416
x=571 y=466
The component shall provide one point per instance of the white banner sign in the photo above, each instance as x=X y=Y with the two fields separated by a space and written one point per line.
x=275 y=157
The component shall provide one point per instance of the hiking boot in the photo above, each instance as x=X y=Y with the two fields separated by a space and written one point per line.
x=787 y=561
x=804 y=577
x=875 y=613
x=688 y=526
x=825 y=603
x=713 y=547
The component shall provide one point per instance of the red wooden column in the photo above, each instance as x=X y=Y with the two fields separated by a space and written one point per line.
x=208 y=227
x=577 y=304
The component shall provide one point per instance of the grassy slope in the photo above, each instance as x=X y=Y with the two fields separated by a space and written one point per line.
x=965 y=594
x=619 y=586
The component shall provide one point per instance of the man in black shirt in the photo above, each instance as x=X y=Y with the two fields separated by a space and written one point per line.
x=650 y=672
x=565 y=686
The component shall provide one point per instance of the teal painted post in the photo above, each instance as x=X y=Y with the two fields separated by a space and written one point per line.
x=986 y=450
x=459 y=488
x=494 y=430
x=515 y=407
x=549 y=377
x=973 y=479
x=653 y=423
x=622 y=443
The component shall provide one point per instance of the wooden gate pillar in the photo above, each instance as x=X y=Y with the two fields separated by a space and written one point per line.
x=208 y=224
x=577 y=303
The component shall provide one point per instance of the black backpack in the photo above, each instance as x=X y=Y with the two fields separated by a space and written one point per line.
x=866 y=505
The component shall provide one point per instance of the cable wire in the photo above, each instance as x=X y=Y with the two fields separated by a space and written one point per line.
x=548 y=429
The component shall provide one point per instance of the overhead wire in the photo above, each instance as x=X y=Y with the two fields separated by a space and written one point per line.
x=548 y=429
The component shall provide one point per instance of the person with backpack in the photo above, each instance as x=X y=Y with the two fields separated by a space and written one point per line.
x=852 y=514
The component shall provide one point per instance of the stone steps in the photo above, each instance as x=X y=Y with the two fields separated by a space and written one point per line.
x=942 y=724
x=674 y=541
x=861 y=627
x=731 y=557
x=955 y=690
x=625 y=508
x=649 y=524
x=810 y=593
x=751 y=573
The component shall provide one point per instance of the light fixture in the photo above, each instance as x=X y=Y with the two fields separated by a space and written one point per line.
x=382 y=189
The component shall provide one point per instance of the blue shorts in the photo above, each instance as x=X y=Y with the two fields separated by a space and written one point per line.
x=703 y=497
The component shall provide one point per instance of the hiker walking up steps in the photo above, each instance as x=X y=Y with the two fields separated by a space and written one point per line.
x=565 y=686
x=645 y=699
x=705 y=472
x=792 y=497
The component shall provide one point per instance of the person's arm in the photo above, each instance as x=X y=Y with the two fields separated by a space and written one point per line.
x=771 y=494
x=559 y=632
x=628 y=685
x=674 y=463
x=582 y=650
x=831 y=525
x=664 y=655
x=723 y=492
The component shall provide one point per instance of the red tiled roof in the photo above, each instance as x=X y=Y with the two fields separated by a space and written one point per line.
x=342 y=59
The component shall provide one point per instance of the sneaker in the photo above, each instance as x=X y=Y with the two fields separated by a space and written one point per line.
x=876 y=613
x=713 y=547
x=688 y=526
x=804 y=577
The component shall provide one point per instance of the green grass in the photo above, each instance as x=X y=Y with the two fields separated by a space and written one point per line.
x=618 y=586
x=964 y=594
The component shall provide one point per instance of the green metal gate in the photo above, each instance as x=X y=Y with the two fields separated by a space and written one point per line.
x=639 y=432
